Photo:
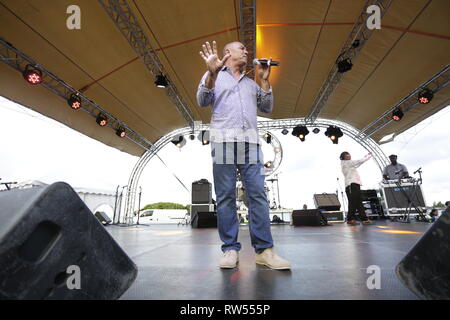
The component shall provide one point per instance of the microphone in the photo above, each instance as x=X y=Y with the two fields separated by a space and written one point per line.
x=417 y=170
x=266 y=62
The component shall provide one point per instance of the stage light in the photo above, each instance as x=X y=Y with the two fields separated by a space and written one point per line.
x=285 y=131
x=316 y=130
x=179 y=141
x=397 y=115
x=161 y=81
x=268 y=164
x=101 y=120
x=334 y=133
x=267 y=137
x=203 y=136
x=74 y=102
x=300 y=132
x=32 y=75
x=425 y=96
x=120 y=132
x=344 y=65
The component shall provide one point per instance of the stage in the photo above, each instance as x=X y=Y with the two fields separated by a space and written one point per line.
x=180 y=263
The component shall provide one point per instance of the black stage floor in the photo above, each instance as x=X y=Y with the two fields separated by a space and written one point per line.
x=180 y=263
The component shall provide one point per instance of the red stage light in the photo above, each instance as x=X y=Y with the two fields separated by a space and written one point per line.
x=74 y=102
x=121 y=132
x=32 y=75
x=101 y=120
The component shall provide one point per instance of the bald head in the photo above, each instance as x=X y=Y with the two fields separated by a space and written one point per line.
x=229 y=45
x=238 y=54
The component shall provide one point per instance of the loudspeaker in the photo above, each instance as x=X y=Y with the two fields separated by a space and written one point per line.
x=204 y=220
x=309 y=217
x=327 y=201
x=102 y=217
x=53 y=247
x=425 y=269
x=201 y=192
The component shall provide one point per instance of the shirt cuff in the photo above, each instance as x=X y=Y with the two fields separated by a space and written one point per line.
x=203 y=88
x=267 y=92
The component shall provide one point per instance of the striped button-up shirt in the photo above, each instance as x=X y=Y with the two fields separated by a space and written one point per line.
x=234 y=107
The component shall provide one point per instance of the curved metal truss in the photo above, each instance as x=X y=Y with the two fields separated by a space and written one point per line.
x=277 y=150
x=263 y=126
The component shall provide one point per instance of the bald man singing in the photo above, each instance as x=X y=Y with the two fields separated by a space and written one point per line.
x=235 y=145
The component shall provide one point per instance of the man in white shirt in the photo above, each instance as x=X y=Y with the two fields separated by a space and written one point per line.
x=353 y=187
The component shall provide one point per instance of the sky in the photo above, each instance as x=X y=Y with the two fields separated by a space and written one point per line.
x=34 y=147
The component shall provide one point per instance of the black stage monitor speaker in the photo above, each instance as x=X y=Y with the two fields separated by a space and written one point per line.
x=327 y=201
x=201 y=192
x=53 y=247
x=425 y=270
x=103 y=217
x=309 y=217
x=204 y=220
x=396 y=198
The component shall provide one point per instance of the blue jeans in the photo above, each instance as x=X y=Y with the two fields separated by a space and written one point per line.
x=227 y=158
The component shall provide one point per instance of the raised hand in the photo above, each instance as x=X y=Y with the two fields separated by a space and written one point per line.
x=213 y=63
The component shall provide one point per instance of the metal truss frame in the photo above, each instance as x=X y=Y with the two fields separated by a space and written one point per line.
x=124 y=19
x=263 y=126
x=359 y=32
x=247 y=32
x=19 y=60
x=437 y=82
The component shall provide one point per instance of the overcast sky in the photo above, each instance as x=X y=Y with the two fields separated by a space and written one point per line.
x=34 y=147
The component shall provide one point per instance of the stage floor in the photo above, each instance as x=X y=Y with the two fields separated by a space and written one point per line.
x=178 y=262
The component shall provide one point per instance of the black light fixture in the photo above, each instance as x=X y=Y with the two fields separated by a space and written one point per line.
x=120 y=132
x=74 y=102
x=179 y=141
x=316 y=130
x=32 y=74
x=285 y=131
x=425 y=96
x=101 y=120
x=397 y=115
x=356 y=43
x=334 y=133
x=203 y=136
x=161 y=81
x=300 y=132
x=267 y=137
x=344 y=65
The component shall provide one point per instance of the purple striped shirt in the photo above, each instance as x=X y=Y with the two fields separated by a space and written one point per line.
x=234 y=107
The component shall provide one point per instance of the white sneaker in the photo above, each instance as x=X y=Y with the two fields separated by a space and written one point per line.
x=229 y=259
x=269 y=259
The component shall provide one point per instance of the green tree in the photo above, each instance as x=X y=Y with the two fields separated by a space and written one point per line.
x=438 y=205
x=164 y=205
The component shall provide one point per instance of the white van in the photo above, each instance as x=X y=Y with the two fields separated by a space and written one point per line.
x=162 y=216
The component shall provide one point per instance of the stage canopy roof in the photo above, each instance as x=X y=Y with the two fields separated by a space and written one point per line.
x=412 y=45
